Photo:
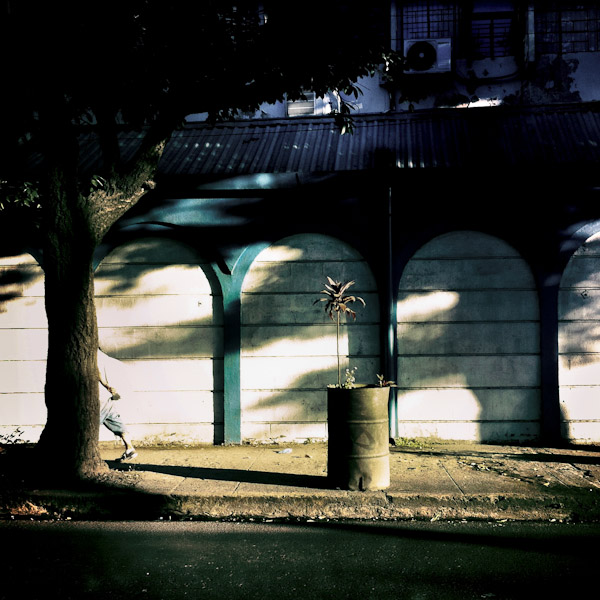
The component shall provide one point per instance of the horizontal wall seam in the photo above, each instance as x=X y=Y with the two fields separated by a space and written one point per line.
x=576 y=386
x=473 y=322
x=315 y=421
x=467 y=354
x=566 y=321
x=178 y=357
x=308 y=261
x=316 y=293
x=466 y=257
x=286 y=389
x=501 y=421
x=428 y=290
x=332 y=325
x=161 y=327
x=153 y=295
x=23 y=360
x=24 y=329
x=323 y=356
x=470 y=387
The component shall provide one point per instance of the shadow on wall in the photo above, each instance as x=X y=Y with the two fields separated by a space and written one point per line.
x=468 y=334
x=579 y=344
x=468 y=339
x=289 y=343
x=160 y=310
x=17 y=274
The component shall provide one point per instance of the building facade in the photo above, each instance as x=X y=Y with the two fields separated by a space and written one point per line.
x=465 y=206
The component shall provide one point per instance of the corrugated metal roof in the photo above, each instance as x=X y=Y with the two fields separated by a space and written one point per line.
x=441 y=138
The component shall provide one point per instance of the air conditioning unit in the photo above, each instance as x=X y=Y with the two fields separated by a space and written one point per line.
x=428 y=55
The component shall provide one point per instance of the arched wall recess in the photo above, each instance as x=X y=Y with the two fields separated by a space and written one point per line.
x=288 y=344
x=579 y=342
x=23 y=348
x=468 y=342
x=160 y=314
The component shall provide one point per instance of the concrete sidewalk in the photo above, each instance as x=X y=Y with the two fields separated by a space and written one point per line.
x=428 y=481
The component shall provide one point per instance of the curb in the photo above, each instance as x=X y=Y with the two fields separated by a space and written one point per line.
x=135 y=505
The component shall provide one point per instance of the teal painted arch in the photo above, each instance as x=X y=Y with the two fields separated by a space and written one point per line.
x=231 y=285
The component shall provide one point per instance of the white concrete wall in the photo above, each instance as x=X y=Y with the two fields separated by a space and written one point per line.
x=23 y=347
x=289 y=344
x=579 y=344
x=373 y=98
x=158 y=314
x=468 y=342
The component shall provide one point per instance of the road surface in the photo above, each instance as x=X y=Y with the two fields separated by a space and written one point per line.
x=406 y=560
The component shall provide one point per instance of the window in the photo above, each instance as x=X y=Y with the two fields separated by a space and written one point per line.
x=563 y=27
x=303 y=106
x=425 y=20
x=493 y=30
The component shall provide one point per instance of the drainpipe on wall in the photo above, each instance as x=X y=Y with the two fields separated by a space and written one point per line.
x=390 y=360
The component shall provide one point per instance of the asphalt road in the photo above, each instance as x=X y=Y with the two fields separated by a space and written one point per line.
x=334 y=560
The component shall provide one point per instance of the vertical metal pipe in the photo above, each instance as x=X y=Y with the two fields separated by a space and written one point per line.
x=390 y=350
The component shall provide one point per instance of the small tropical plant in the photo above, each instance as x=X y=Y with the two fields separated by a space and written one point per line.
x=383 y=382
x=336 y=303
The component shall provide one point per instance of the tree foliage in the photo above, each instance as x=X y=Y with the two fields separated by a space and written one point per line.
x=148 y=63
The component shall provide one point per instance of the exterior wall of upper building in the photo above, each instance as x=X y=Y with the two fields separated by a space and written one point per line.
x=495 y=52
x=483 y=53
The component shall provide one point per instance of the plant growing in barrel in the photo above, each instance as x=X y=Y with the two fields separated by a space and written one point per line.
x=357 y=414
x=336 y=304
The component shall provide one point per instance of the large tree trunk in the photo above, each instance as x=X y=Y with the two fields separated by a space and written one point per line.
x=70 y=439
x=76 y=218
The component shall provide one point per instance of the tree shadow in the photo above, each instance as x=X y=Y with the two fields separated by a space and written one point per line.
x=119 y=279
x=235 y=475
x=13 y=280
x=467 y=309
x=520 y=456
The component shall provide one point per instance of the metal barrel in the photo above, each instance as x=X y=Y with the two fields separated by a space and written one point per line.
x=358 y=438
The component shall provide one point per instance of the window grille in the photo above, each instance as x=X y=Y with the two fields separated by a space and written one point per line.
x=419 y=20
x=492 y=35
x=563 y=27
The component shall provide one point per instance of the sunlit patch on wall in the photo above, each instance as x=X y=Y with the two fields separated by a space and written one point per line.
x=426 y=305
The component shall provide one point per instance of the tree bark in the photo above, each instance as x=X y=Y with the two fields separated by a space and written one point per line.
x=70 y=439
